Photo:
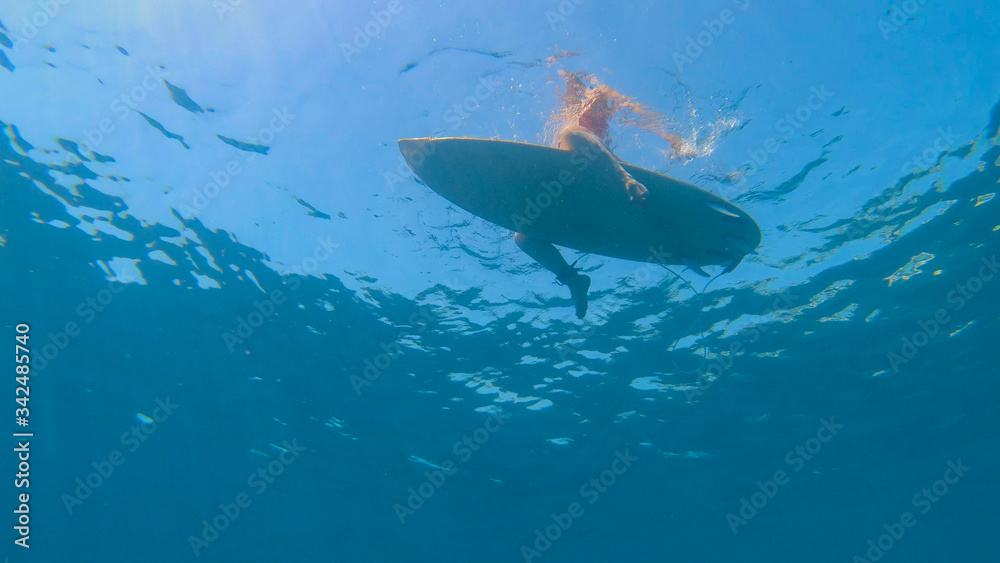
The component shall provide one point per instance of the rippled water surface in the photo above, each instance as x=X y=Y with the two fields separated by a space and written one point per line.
x=255 y=336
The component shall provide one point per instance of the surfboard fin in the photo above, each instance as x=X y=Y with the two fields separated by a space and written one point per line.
x=732 y=266
x=693 y=265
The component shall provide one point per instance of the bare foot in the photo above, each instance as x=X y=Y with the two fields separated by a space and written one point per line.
x=636 y=192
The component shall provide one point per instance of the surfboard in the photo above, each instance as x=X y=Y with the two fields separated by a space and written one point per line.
x=568 y=199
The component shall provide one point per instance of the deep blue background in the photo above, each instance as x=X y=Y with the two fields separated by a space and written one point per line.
x=866 y=242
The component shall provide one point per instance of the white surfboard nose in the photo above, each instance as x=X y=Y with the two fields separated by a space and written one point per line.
x=415 y=151
x=406 y=145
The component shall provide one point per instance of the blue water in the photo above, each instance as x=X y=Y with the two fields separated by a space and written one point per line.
x=256 y=337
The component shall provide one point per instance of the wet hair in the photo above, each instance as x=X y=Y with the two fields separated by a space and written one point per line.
x=591 y=104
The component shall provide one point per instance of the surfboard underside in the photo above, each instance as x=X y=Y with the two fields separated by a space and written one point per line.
x=569 y=200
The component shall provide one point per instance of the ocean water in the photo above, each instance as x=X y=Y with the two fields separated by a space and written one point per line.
x=254 y=336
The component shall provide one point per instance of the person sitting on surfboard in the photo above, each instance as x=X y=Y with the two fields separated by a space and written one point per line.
x=613 y=208
x=585 y=121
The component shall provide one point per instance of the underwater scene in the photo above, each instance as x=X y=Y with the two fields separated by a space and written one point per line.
x=561 y=280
